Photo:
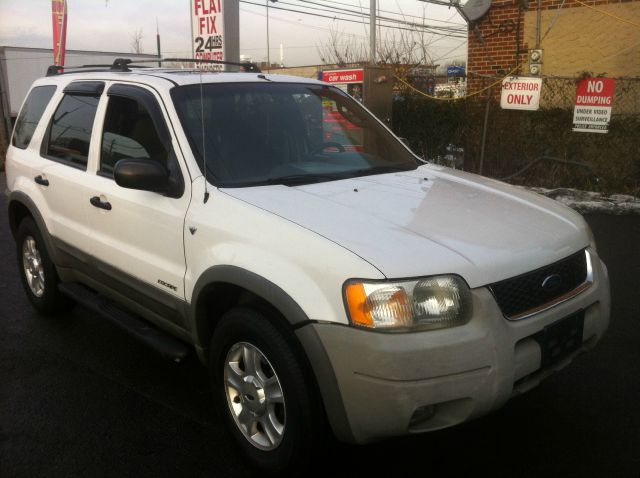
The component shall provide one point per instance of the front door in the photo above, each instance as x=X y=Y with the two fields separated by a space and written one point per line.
x=138 y=235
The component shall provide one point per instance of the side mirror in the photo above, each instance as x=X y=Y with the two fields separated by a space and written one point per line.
x=143 y=174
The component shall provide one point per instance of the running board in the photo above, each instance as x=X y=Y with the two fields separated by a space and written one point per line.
x=160 y=341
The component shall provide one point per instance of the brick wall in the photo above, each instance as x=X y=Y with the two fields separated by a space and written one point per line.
x=500 y=40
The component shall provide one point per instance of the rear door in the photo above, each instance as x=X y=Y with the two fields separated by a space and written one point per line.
x=61 y=170
x=137 y=236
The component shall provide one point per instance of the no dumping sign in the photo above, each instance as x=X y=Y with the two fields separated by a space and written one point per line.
x=594 y=99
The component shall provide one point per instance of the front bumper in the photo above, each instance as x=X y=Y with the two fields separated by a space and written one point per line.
x=377 y=385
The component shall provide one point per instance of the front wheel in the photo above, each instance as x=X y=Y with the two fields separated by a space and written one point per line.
x=260 y=383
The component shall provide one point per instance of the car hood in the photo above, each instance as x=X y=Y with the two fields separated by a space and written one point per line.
x=432 y=220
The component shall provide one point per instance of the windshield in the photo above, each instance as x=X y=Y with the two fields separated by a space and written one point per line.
x=282 y=133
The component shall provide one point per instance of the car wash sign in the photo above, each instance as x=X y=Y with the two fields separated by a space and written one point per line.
x=343 y=76
x=519 y=93
x=594 y=99
x=207 y=32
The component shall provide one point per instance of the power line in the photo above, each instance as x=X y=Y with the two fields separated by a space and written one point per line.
x=319 y=28
x=395 y=13
x=347 y=11
x=337 y=18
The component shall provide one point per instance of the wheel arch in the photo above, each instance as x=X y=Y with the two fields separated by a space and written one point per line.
x=20 y=205
x=222 y=287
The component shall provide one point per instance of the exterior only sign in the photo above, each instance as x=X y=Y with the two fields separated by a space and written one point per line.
x=520 y=93
x=207 y=32
x=594 y=99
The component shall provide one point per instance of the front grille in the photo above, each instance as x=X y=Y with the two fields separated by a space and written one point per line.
x=525 y=294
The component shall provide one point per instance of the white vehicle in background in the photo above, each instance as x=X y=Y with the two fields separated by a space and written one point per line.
x=321 y=270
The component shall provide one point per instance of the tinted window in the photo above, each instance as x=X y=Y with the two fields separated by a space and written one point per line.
x=70 y=130
x=259 y=133
x=129 y=132
x=30 y=114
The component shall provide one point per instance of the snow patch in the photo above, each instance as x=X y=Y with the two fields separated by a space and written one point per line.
x=591 y=202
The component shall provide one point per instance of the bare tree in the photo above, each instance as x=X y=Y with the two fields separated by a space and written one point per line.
x=136 y=41
x=342 y=49
x=397 y=47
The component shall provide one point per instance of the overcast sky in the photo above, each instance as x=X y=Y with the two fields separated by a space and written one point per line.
x=108 y=25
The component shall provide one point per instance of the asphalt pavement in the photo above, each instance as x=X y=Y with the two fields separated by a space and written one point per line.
x=78 y=397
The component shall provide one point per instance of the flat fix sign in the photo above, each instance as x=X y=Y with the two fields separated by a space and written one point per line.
x=207 y=32
x=343 y=77
x=594 y=99
x=519 y=93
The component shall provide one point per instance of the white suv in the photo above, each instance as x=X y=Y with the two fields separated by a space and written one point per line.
x=323 y=272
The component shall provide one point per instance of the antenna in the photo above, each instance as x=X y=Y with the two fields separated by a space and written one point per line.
x=204 y=148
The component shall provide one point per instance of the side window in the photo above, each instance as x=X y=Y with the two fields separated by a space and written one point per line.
x=129 y=132
x=69 y=134
x=30 y=115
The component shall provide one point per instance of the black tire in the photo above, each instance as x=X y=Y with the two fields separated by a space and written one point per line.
x=47 y=299
x=303 y=425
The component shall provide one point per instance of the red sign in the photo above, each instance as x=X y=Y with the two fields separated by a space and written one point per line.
x=595 y=92
x=343 y=76
x=59 y=17
x=594 y=99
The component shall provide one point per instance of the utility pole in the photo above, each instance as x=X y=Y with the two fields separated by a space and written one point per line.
x=372 y=32
x=268 y=48
x=158 y=43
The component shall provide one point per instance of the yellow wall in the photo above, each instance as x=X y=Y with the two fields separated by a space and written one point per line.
x=583 y=39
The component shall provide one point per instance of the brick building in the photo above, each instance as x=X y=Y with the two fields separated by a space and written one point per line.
x=577 y=36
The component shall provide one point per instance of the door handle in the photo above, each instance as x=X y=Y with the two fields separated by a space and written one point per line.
x=41 y=181
x=95 y=201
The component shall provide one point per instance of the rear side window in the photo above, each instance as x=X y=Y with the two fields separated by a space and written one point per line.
x=69 y=134
x=30 y=115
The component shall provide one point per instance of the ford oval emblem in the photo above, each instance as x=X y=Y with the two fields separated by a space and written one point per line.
x=552 y=282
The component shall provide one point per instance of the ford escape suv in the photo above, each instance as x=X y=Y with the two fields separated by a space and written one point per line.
x=323 y=272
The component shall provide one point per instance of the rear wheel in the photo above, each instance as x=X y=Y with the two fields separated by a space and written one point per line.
x=267 y=399
x=37 y=272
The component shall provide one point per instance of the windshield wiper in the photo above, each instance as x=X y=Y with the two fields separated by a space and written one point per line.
x=384 y=169
x=300 y=179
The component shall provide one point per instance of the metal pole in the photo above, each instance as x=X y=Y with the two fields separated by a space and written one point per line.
x=5 y=112
x=484 y=131
x=158 y=43
x=538 y=23
x=372 y=32
x=268 y=50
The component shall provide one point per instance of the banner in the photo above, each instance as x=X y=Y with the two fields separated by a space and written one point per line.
x=59 y=18
x=207 y=32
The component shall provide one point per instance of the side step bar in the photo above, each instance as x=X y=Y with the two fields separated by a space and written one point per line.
x=163 y=343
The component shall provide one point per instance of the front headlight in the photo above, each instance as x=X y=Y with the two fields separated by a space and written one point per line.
x=429 y=303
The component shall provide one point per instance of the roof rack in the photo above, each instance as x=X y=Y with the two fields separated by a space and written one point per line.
x=125 y=64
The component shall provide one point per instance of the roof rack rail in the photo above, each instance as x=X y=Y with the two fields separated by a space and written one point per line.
x=125 y=64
